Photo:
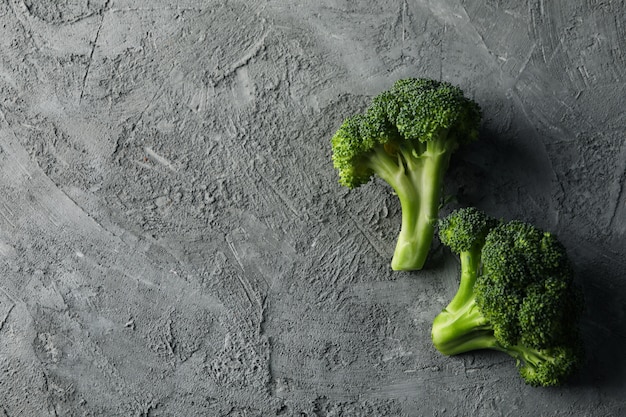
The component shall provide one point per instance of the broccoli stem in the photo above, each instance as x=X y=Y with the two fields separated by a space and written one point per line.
x=416 y=232
x=470 y=263
x=461 y=327
x=462 y=330
x=417 y=179
x=532 y=358
x=420 y=206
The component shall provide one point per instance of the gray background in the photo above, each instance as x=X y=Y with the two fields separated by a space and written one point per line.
x=173 y=240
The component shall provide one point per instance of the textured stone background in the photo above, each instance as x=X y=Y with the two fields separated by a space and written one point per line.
x=173 y=240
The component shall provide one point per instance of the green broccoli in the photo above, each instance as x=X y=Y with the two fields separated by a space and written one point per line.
x=406 y=137
x=516 y=295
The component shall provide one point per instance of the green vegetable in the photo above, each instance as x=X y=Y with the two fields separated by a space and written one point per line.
x=516 y=295
x=406 y=137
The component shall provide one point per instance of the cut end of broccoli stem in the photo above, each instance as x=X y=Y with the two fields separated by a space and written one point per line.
x=462 y=330
x=409 y=255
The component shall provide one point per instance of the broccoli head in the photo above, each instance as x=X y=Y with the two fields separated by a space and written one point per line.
x=406 y=137
x=516 y=295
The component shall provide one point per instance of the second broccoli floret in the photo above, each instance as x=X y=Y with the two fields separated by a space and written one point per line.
x=406 y=137
x=516 y=295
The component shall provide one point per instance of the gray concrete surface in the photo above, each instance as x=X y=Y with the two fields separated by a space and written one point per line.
x=173 y=240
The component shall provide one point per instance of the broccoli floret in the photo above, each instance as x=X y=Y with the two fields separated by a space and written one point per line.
x=516 y=295
x=406 y=137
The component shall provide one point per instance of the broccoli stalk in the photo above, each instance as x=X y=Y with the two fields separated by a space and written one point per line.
x=462 y=330
x=416 y=180
x=515 y=295
x=461 y=327
x=406 y=137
